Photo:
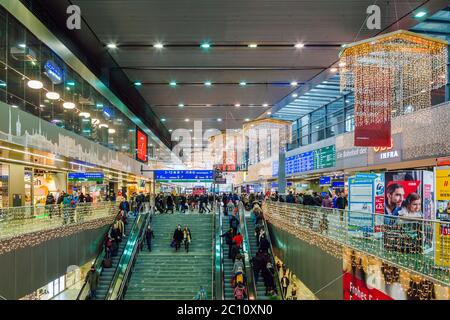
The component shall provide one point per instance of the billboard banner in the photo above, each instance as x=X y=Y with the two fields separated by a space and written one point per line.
x=369 y=278
x=442 y=230
x=142 y=145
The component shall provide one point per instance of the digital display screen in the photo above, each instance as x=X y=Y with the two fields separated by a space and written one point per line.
x=324 y=181
x=86 y=176
x=142 y=145
x=184 y=175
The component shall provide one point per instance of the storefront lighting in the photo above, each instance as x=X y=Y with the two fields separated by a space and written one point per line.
x=35 y=84
x=69 y=105
x=84 y=114
x=111 y=131
x=52 y=95
x=103 y=125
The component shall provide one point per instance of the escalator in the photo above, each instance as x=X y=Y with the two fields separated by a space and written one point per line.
x=107 y=274
x=227 y=264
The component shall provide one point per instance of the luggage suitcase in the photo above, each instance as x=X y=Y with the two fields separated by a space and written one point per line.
x=107 y=263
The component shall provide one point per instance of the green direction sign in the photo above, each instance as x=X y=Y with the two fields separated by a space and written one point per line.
x=325 y=157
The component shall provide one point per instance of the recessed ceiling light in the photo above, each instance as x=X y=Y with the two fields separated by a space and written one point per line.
x=242 y=83
x=190 y=130
x=41 y=105
x=186 y=120
x=205 y=45
x=247 y=120
x=299 y=45
x=170 y=130
x=52 y=95
x=138 y=83
x=237 y=105
x=35 y=84
x=333 y=69
x=253 y=45
x=172 y=83
x=294 y=95
x=420 y=14
x=14 y=106
x=112 y=45
x=163 y=120
x=22 y=45
x=69 y=105
x=84 y=114
x=158 y=45
x=181 y=105
x=294 y=83
x=208 y=83
x=268 y=112
x=219 y=119
x=265 y=105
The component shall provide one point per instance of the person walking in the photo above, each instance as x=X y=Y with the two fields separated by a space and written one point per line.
x=169 y=203
x=178 y=236
x=238 y=239
x=284 y=284
x=92 y=278
x=149 y=235
x=264 y=244
x=186 y=238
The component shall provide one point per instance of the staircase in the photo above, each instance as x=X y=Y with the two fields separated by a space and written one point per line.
x=108 y=273
x=164 y=274
x=260 y=288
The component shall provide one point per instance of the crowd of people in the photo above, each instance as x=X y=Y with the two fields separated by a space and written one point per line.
x=337 y=200
x=202 y=203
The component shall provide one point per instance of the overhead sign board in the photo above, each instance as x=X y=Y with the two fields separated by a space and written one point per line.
x=85 y=176
x=184 y=175
x=325 y=181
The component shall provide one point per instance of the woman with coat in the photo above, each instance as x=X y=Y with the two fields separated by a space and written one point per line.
x=187 y=238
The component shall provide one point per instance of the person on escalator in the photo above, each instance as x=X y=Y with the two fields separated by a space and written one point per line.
x=238 y=239
x=238 y=263
x=268 y=276
x=258 y=263
x=240 y=292
x=92 y=278
x=228 y=240
x=234 y=251
x=234 y=223
x=178 y=236
x=264 y=244
x=186 y=238
x=239 y=278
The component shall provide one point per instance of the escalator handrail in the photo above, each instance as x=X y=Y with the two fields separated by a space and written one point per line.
x=117 y=271
x=101 y=254
x=220 y=253
x=251 y=289
x=213 y=249
x=134 y=255
x=272 y=259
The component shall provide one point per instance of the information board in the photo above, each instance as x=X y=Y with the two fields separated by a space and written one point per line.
x=85 y=176
x=312 y=160
x=184 y=175
x=325 y=157
x=325 y=181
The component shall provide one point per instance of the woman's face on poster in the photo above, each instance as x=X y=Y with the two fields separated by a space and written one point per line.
x=414 y=206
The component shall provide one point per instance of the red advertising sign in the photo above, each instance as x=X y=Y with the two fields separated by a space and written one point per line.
x=356 y=289
x=141 y=142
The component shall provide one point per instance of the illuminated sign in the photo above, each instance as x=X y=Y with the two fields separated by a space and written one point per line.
x=85 y=176
x=184 y=175
x=325 y=181
x=53 y=72
x=141 y=143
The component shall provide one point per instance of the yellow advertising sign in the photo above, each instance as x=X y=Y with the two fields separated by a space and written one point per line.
x=442 y=250
x=442 y=184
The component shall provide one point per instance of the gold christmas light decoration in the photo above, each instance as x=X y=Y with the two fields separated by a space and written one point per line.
x=392 y=74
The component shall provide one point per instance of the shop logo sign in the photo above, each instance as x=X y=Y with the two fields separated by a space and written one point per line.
x=53 y=72
x=374 y=19
x=74 y=19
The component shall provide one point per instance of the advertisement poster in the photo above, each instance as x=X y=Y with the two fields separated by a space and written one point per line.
x=142 y=142
x=368 y=278
x=442 y=230
x=408 y=194
x=365 y=197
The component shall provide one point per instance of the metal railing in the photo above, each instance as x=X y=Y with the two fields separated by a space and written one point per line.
x=15 y=221
x=219 y=257
x=214 y=233
x=418 y=245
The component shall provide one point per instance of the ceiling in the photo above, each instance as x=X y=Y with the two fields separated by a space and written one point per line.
x=229 y=26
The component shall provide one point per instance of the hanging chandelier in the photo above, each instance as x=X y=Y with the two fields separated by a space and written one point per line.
x=390 y=74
